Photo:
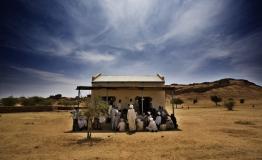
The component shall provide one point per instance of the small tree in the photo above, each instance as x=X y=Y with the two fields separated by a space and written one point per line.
x=242 y=100
x=215 y=99
x=176 y=101
x=9 y=101
x=229 y=104
x=94 y=109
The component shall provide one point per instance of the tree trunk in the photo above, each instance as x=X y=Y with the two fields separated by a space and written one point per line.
x=173 y=109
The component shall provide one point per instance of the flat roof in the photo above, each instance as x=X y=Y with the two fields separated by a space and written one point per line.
x=110 y=78
x=122 y=87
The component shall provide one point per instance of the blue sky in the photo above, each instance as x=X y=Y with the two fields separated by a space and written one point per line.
x=51 y=46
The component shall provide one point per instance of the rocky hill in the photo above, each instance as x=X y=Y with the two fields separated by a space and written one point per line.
x=225 y=88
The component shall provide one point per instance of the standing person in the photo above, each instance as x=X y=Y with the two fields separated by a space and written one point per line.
x=117 y=119
x=131 y=118
x=75 y=114
x=158 y=119
x=114 y=113
x=119 y=105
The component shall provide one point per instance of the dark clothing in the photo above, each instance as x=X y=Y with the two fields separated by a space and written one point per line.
x=75 y=125
x=173 y=118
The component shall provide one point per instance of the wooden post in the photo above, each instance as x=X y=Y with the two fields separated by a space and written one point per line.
x=78 y=98
x=173 y=102
x=142 y=100
x=106 y=95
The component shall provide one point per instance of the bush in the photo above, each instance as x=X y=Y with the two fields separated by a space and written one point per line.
x=242 y=100
x=9 y=101
x=229 y=104
x=36 y=101
x=216 y=99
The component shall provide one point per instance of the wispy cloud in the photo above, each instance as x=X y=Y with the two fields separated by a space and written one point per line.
x=94 y=56
x=45 y=75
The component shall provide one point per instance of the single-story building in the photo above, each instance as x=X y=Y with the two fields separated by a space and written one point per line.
x=144 y=91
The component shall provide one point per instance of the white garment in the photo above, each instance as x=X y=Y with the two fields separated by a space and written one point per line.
x=109 y=110
x=140 y=125
x=119 y=106
x=102 y=119
x=121 y=126
x=82 y=122
x=131 y=118
x=158 y=120
x=152 y=126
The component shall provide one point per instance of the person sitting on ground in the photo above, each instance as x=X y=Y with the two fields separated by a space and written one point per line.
x=82 y=124
x=121 y=125
x=152 y=125
x=169 y=124
x=173 y=118
x=147 y=117
x=158 y=119
x=139 y=124
x=131 y=118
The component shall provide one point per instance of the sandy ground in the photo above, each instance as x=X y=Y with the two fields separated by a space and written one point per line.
x=206 y=133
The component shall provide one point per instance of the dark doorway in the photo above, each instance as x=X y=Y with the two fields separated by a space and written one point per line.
x=147 y=104
x=111 y=99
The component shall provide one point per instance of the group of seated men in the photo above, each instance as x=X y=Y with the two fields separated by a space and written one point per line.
x=129 y=120
x=153 y=120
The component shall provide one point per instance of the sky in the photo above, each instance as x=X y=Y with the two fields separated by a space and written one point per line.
x=51 y=46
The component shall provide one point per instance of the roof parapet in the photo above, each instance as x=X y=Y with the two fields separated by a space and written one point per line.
x=97 y=75
x=161 y=77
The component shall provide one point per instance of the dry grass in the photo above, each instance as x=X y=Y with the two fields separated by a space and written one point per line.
x=206 y=133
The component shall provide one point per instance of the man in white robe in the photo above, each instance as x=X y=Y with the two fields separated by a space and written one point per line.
x=131 y=118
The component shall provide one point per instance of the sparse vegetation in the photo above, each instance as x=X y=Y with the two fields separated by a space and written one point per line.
x=176 y=101
x=9 y=101
x=244 y=122
x=229 y=104
x=95 y=109
x=216 y=99
x=36 y=101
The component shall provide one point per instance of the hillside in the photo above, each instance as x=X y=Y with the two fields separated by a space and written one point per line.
x=225 y=88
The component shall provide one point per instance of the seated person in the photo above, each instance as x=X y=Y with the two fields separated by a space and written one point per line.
x=121 y=125
x=173 y=118
x=169 y=124
x=158 y=119
x=139 y=125
x=82 y=124
x=152 y=125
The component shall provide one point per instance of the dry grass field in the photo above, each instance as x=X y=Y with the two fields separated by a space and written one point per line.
x=206 y=133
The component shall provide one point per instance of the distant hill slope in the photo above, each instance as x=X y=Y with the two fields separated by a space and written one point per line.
x=226 y=88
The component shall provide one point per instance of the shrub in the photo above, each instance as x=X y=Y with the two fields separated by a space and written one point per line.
x=36 y=101
x=242 y=100
x=9 y=101
x=215 y=99
x=229 y=104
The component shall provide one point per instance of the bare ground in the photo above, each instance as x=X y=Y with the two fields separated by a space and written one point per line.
x=206 y=133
